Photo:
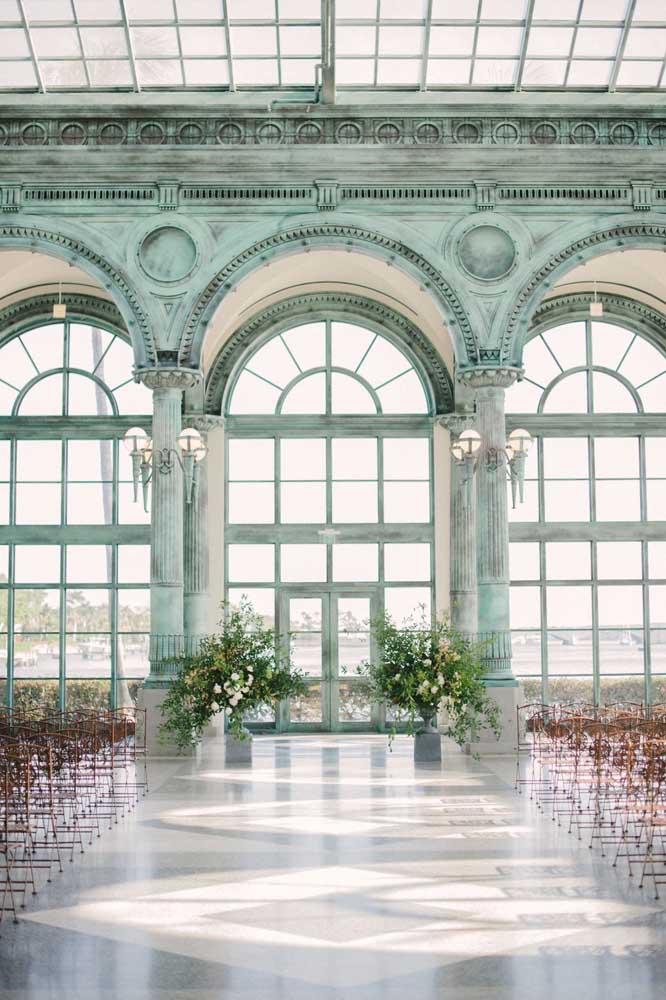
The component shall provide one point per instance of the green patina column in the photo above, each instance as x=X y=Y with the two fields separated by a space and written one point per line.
x=167 y=505
x=196 y=551
x=492 y=530
x=464 y=595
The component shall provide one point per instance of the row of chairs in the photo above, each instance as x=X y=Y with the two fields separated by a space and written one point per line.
x=63 y=778
x=602 y=772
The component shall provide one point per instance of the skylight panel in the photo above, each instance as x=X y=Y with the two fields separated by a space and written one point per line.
x=9 y=11
x=206 y=72
x=414 y=10
x=355 y=72
x=544 y=72
x=355 y=41
x=56 y=43
x=604 y=10
x=455 y=10
x=299 y=10
x=14 y=43
x=400 y=41
x=448 y=72
x=398 y=72
x=155 y=40
x=639 y=74
x=588 y=73
x=93 y=10
x=644 y=43
x=17 y=75
x=110 y=73
x=199 y=10
x=105 y=43
x=650 y=10
x=549 y=41
x=494 y=72
x=503 y=10
x=209 y=41
x=455 y=40
x=159 y=72
x=352 y=10
x=298 y=72
x=563 y=10
x=300 y=41
x=48 y=10
x=498 y=41
x=63 y=73
x=256 y=72
x=150 y=10
x=251 y=41
x=251 y=10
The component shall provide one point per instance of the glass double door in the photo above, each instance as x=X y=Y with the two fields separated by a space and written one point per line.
x=329 y=636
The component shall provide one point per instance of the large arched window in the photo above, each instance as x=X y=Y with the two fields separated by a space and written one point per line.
x=588 y=548
x=74 y=548
x=329 y=437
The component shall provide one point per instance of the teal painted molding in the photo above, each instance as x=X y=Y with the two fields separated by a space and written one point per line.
x=228 y=128
x=344 y=235
x=27 y=313
x=334 y=306
x=623 y=234
x=75 y=250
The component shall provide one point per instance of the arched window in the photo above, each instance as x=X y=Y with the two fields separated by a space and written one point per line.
x=588 y=548
x=74 y=548
x=329 y=437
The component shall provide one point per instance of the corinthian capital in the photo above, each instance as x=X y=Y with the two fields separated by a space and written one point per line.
x=456 y=423
x=168 y=378
x=202 y=422
x=497 y=378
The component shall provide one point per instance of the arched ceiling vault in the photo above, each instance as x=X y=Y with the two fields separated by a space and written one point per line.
x=25 y=275
x=326 y=270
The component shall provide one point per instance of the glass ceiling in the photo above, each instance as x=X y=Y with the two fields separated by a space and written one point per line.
x=392 y=44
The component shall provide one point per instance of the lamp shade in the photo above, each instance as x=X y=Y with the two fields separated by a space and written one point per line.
x=470 y=442
x=189 y=441
x=136 y=440
x=520 y=441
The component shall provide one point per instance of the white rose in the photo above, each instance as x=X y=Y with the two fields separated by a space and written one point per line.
x=440 y=678
x=434 y=689
x=214 y=707
x=398 y=676
x=250 y=668
x=427 y=663
x=227 y=686
x=235 y=676
x=249 y=682
x=228 y=710
x=217 y=689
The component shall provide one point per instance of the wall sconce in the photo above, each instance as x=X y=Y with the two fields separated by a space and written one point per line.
x=192 y=450
x=465 y=453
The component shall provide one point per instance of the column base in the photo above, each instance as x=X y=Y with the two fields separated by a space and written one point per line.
x=151 y=699
x=507 y=697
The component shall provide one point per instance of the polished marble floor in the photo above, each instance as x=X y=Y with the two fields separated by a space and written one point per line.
x=331 y=868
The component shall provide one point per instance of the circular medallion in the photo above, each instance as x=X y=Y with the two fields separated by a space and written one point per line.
x=111 y=134
x=308 y=132
x=33 y=134
x=427 y=133
x=388 y=133
x=467 y=132
x=348 y=133
x=487 y=252
x=151 y=134
x=73 y=134
x=584 y=134
x=190 y=134
x=230 y=134
x=167 y=254
x=658 y=134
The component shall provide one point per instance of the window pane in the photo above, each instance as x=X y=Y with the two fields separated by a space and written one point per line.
x=253 y=395
x=43 y=399
x=88 y=656
x=524 y=560
x=254 y=563
x=618 y=500
x=616 y=457
x=262 y=600
x=655 y=457
x=37 y=611
x=570 y=652
x=353 y=562
x=39 y=461
x=540 y=366
x=36 y=655
x=307 y=344
x=302 y=563
x=303 y=458
x=354 y=458
x=568 y=396
x=274 y=363
x=567 y=501
x=133 y=563
x=303 y=503
x=130 y=512
x=565 y=458
x=88 y=611
x=37 y=564
x=406 y=561
x=620 y=606
x=86 y=398
x=528 y=510
x=88 y=563
x=525 y=607
x=406 y=458
x=38 y=503
x=91 y=461
x=251 y=459
x=404 y=395
x=657 y=560
x=642 y=362
x=349 y=343
x=382 y=362
x=134 y=610
x=307 y=396
x=408 y=605
x=355 y=503
x=567 y=343
x=610 y=395
x=406 y=502
x=568 y=561
x=306 y=708
x=349 y=396
x=619 y=561
x=251 y=503
x=45 y=345
x=609 y=344
x=569 y=607
x=89 y=503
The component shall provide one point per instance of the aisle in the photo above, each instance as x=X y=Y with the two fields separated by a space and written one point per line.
x=331 y=870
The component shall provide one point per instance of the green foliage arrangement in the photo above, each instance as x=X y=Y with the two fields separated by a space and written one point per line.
x=240 y=668
x=428 y=666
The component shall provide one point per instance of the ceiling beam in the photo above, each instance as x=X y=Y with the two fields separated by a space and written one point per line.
x=31 y=46
x=328 y=51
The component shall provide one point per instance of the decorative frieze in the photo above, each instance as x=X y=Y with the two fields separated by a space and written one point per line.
x=328 y=128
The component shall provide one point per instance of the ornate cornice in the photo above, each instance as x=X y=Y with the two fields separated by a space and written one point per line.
x=168 y=378
x=203 y=422
x=345 y=235
x=621 y=235
x=329 y=304
x=456 y=423
x=563 y=308
x=74 y=250
x=120 y=131
x=79 y=306
x=484 y=378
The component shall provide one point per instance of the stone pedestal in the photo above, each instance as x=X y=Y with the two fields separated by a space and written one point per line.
x=151 y=699
x=507 y=698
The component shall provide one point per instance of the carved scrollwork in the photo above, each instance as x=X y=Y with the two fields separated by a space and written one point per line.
x=348 y=235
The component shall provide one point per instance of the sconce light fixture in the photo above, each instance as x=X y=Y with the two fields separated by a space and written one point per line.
x=465 y=453
x=191 y=451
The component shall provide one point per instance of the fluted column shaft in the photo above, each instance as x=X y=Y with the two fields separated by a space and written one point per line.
x=464 y=602
x=196 y=552
x=167 y=500
x=492 y=525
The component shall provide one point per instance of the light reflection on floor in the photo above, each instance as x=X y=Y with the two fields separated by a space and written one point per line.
x=331 y=868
